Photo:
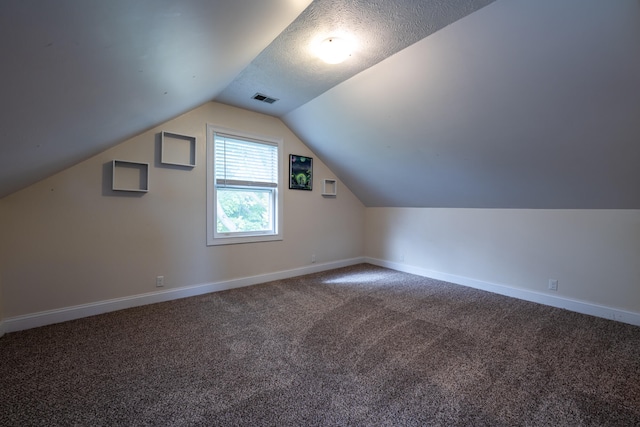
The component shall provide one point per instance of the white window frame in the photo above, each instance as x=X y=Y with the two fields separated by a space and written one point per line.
x=214 y=238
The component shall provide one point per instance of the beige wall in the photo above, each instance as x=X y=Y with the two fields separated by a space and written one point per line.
x=594 y=254
x=3 y=256
x=1 y=287
x=70 y=240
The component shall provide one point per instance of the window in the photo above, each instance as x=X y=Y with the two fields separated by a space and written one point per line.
x=243 y=183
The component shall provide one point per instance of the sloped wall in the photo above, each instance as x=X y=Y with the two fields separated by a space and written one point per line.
x=592 y=253
x=1 y=303
x=69 y=240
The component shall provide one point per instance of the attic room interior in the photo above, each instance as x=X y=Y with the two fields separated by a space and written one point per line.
x=460 y=248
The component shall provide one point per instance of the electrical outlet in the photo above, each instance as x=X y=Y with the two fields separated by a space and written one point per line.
x=313 y=258
x=159 y=281
x=553 y=285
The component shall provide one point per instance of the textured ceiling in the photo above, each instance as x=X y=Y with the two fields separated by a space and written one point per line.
x=79 y=76
x=288 y=69
x=522 y=104
x=519 y=104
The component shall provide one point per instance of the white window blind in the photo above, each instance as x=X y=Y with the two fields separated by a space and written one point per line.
x=245 y=163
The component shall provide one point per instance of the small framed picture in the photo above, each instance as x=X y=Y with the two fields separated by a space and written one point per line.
x=300 y=172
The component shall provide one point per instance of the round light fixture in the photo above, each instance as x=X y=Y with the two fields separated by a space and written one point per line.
x=334 y=50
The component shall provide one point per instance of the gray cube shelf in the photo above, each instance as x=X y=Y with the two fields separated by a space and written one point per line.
x=177 y=150
x=329 y=188
x=130 y=176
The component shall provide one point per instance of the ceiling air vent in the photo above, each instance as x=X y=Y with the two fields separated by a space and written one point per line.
x=264 y=98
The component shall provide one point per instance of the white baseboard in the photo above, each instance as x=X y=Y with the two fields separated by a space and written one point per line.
x=1 y=328
x=550 y=300
x=19 y=323
x=49 y=317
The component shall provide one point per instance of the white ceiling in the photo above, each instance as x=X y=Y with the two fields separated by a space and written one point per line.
x=522 y=103
x=290 y=71
x=79 y=76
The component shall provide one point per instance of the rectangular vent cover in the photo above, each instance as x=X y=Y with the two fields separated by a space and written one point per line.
x=264 y=98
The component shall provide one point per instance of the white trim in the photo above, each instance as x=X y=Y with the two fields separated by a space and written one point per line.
x=18 y=323
x=213 y=239
x=1 y=328
x=583 y=307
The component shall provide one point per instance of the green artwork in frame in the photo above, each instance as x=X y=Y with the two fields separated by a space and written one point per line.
x=300 y=172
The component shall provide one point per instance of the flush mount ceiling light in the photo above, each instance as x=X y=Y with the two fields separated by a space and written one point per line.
x=334 y=50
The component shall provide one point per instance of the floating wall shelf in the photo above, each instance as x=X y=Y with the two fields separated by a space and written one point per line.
x=130 y=176
x=178 y=150
x=329 y=187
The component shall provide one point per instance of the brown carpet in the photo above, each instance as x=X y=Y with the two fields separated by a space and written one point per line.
x=356 y=346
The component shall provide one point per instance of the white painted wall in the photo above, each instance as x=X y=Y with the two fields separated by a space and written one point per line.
x=2 y=259
x=69 y=240
x=594 y=254
x=1 y=299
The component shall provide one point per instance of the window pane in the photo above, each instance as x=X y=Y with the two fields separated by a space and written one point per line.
x=246 y=161
x=243 y=202
x=243 y=210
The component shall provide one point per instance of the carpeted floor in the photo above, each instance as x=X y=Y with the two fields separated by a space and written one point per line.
x=360 y=345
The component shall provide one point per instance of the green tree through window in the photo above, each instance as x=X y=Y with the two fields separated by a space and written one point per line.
x=243 y=210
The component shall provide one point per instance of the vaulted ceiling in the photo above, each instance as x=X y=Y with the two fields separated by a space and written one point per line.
x=465 y=103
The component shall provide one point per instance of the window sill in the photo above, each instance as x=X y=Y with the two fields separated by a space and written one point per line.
x=219 y=241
